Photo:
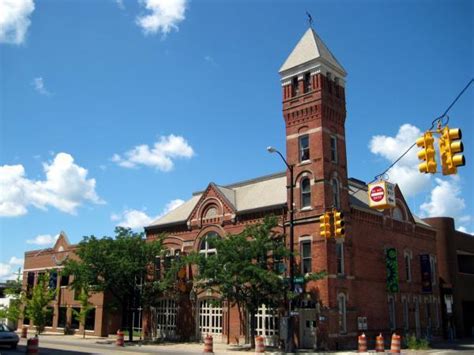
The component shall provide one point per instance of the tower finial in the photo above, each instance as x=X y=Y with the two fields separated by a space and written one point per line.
x=310 y=19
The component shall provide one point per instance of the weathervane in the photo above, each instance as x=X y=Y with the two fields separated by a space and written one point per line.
x=310 y=19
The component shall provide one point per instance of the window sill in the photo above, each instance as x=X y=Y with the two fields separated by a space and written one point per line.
x=304 y=162
x=304 y=209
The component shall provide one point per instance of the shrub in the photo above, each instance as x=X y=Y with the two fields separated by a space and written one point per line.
x=417 y=344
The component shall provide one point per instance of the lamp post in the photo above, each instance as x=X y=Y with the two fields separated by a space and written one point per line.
x=289 y=343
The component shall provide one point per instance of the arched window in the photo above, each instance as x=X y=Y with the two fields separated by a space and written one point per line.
x=397 y=214
x=341 y=306
x=305 y=193
x=335 y=193
x=207 y=246
x=211 y=212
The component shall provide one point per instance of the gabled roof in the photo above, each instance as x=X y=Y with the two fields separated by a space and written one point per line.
x=266 y=192
x=179 y=214
x=311 y=48
x=262 y=193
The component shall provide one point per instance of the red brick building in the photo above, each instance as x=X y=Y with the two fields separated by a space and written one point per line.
x=99 y=322
x=355 y=291
x=456 y=277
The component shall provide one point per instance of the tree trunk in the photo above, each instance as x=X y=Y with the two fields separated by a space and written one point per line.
x=130 y=321
x=252 y=329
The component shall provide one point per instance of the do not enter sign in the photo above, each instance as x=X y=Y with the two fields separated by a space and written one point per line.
x=381 y=195
x=377 y=193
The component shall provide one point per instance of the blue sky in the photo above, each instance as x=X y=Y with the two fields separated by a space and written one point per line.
x=113 y=112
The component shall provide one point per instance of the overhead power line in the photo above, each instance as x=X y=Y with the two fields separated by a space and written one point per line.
x=433 y=123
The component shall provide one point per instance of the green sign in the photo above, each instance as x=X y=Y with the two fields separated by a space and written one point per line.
x=298 y=279
x=392 y=270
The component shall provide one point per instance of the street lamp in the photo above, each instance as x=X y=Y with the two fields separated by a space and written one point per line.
x=289 y=344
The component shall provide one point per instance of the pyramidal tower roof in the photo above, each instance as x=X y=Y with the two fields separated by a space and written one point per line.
x=311 y=49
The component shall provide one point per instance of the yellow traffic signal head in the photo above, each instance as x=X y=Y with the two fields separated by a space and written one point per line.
x=339 y=223
x=325 y=225
x=427 y=154
x=449 y=146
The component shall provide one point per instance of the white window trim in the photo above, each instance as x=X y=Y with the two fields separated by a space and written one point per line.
x=300 y=151
x=304 y=241
x=342 y=312
x=408 y=254
x=308 y=207
x=206 y=251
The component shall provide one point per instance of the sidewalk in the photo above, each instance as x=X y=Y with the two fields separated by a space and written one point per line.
x=108 y=344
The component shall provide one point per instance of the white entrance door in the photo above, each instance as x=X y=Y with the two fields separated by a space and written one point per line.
x=308 y=328
x=210 y=320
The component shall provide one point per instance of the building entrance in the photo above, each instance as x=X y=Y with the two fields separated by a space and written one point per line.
x=308 y=330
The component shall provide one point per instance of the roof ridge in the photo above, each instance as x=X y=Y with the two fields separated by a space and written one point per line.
x=245 y=182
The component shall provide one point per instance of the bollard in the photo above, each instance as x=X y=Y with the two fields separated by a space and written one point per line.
x=379 y=344
x=208 y=345
x=119 y=341
x=259 y=345
x=24 y=332
x=32 y=346
x=362 y=343
x=395 y=346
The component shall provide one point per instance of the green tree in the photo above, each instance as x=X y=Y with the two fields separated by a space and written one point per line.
x=13 y=290
x=246 y=269
x=36 y=306
x=86 y=307
x=116 y=266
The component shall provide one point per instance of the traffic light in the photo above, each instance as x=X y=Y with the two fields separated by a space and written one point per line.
x=449 y=145
x=325 y=225
x=339 y=231
x=427 y=154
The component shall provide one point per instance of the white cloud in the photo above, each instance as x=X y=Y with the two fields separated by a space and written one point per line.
x=16 y=261
x=162 y=16
x=136 y=219
x=160 y=156
x=445 y=197
x=405 y=172
x=120 y=4
x=14 y=20
x=464 y=230
x=9 y=270
x=43 y=239
x=38 y=84
x=444 y=200
x=66 y=188
x=5 y=271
